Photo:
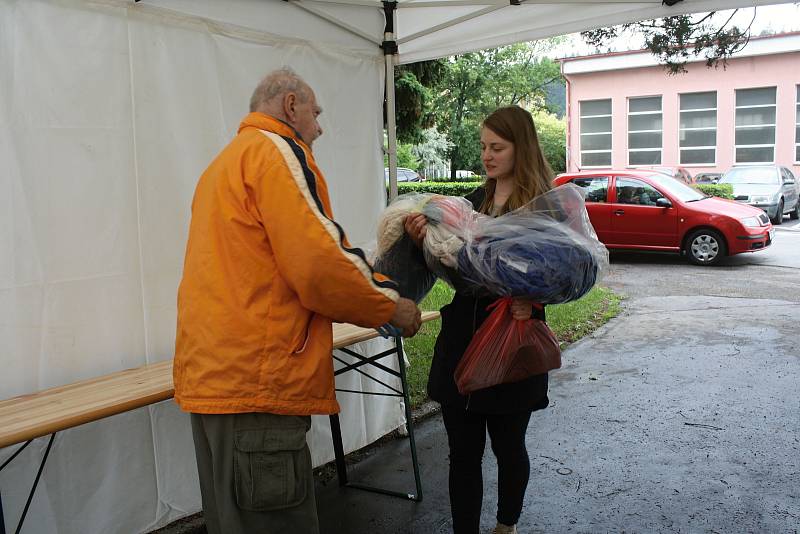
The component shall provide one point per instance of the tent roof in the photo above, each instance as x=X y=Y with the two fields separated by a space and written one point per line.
x=489 y=24
x=427 y=29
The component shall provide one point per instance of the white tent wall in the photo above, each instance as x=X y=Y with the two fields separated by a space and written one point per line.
x=109 y=112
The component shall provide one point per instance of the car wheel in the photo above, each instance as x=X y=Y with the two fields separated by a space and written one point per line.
x=795 y=213
x=779 y=215
x=705 y=247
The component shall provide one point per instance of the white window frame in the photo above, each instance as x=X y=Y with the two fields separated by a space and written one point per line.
x=796 y=126
x=610 y=151
x=774 y=127
x=705 y=129
x=628 y=131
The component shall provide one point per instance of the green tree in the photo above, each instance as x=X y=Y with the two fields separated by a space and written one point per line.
x=679 y=39
x=415 y=86
x=477 y=83
x=458 y=108
x=405 y=157
x=552 y=133
x=466 y=150
x=433 y=149
x=517 y=74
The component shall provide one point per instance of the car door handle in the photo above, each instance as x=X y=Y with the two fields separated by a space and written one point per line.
x=619 y=212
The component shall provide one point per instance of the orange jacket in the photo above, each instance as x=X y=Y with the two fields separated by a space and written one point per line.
x=266 y=272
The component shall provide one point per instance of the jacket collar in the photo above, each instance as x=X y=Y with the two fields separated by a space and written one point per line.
x=270 y=124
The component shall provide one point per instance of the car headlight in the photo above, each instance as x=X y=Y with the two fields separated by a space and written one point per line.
x=751 y=222
x=759 y=199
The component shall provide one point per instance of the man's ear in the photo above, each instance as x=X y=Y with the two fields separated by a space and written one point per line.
x=289 y=104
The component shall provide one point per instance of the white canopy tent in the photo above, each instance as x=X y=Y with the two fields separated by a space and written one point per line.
x=109 y=111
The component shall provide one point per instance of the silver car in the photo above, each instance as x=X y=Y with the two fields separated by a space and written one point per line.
x=772 y=188
x=403 y=175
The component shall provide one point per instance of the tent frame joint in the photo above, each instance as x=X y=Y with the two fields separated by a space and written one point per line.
x=389 y=48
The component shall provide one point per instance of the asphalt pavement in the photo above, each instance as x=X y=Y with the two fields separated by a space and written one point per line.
x=681 y=415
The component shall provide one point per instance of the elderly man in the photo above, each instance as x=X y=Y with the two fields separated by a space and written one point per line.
x=267 y=271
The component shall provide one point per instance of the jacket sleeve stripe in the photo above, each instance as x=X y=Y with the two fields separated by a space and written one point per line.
x=306 y=182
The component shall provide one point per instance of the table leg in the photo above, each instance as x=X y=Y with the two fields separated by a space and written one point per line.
x=2 y=520
x=409 y=419
x=336 y=432
x=338 y=449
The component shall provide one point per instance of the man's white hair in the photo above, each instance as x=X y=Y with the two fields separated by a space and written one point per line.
x=278 y=83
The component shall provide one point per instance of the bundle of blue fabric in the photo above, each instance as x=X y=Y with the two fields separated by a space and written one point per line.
x=546 y=251
x=543 y=264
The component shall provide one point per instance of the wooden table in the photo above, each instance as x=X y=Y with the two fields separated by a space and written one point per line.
x=46 y=412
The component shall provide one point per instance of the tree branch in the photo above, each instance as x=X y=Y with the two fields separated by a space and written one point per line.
x=729 y=19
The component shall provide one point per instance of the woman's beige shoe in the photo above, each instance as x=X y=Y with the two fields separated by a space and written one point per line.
x=504 y=529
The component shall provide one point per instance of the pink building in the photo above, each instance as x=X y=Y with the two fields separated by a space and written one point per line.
x=625 y=111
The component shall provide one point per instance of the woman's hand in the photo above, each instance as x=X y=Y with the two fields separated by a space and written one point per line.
x=416 y=225
x=521 y=309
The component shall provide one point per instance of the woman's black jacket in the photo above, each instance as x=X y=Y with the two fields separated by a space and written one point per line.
x=460 y=320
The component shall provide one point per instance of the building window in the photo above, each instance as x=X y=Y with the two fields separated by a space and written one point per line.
x=797 y=128
x=755 y=125
x=644 y=131
x=698 y=128
x=596 y=133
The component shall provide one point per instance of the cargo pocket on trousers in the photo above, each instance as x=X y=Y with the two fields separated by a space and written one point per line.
x=270 y=467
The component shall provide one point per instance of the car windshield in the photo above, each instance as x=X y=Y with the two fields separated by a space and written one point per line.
x=683 y=192
x=751 y=175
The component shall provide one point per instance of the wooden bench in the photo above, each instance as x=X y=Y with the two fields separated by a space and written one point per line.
x=28 y=417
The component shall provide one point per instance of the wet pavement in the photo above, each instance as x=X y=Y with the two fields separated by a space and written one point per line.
x=660 y=422
x=681 y=415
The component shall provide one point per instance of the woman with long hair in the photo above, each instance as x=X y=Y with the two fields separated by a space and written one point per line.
x=517 y=172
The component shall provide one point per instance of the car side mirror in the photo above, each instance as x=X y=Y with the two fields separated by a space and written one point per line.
x=663 y=203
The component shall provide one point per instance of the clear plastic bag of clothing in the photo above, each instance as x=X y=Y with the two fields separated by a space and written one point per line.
x=546 y=251
x=505 y=350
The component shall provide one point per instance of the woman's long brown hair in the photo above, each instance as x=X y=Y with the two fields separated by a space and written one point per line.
x=532 y=174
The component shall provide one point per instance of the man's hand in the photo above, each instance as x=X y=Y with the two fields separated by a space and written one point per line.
x=407 y=317
x=416 y=225
x=521 y=309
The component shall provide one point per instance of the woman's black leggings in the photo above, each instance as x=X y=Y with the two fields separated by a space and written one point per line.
x=466 y=435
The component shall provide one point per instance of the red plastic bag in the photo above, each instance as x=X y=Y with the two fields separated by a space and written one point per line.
x=506 y=350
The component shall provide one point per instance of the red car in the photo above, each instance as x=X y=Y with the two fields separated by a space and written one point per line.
x=646 y=210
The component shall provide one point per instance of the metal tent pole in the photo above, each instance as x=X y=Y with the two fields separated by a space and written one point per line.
x=389 y=47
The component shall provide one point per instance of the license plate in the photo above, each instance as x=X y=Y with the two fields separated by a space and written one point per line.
x=771 y=234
